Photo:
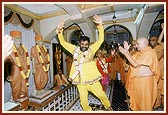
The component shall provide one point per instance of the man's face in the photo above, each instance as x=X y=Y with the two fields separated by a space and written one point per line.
x=153 y=41
x=84 y=45
x=98 y=54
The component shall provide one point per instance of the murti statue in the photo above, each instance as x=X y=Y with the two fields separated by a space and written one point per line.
x=20 y=70
x=40 y=64
x=58 y=56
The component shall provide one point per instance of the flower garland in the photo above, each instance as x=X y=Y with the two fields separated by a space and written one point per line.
x=41 y=59
x=103 y=64
x=78 y=64
x=26 y=74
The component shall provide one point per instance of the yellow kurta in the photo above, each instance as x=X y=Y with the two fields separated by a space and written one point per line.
x=89 y=72
x=88 y=79
x=143 y=90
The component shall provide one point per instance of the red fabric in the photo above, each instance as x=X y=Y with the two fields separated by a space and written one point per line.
x=101 y=69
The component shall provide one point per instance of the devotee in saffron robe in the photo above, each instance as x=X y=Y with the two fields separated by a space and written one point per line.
x=144 y=75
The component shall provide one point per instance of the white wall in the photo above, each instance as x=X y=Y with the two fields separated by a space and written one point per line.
x=50 y=24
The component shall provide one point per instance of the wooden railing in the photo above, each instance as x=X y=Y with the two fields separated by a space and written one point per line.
x=61 y=101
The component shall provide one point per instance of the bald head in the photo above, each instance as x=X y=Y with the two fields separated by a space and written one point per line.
x=142 y=43
x=143 y=40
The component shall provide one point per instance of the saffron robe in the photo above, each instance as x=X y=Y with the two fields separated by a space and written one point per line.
x=18 y=83
x=40 y=76
x=89 y=73
x=143 y=89
x=117 y=65
x=127 y=82
x=160 y=54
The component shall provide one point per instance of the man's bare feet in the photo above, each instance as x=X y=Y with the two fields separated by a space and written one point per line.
x=110 y=109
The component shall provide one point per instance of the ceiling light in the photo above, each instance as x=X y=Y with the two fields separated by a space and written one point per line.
x=114 y=19
x=115 y=30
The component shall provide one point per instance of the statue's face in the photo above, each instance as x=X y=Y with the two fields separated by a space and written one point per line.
x=60 y=71
x=17 y=41
x=39 y=42
x=84 y=46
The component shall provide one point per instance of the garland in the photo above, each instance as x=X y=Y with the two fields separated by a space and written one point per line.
x=41 y=59
x=104 y=65
x=78 y=64
x=26 y=74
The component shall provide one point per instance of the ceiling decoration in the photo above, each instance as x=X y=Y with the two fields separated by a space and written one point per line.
x=107 y=11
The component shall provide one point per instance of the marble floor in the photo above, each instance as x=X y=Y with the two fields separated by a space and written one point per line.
x=117 y=101
x=117 y=95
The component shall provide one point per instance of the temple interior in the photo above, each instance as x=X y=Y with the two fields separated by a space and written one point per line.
x=36 y=24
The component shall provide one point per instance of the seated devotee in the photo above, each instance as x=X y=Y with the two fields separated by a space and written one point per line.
x=60 y=81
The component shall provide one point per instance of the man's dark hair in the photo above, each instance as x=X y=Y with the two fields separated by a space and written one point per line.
x=84 y=38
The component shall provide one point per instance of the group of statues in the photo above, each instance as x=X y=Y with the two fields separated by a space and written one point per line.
x=20 y=73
